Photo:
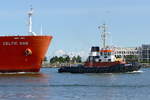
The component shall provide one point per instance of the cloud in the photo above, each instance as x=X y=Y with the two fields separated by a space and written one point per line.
x=60 y=52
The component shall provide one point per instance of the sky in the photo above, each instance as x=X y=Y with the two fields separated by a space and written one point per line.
x=74 y=23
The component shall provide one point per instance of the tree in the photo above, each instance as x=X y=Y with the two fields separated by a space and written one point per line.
x=54 y=59
x=61 y=60
x=45 y=59
x=74 y=59
x=131 y=58
x=67 y=59
x=78 y=59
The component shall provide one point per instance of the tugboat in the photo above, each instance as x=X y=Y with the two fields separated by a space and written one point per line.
x=102 y=60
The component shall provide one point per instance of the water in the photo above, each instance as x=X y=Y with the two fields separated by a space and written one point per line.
x=50 y=85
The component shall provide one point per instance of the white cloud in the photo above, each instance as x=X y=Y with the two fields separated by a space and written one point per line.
x=83 y=54
x=59 y=53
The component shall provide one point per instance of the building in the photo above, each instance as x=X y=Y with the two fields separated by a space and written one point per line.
x=144 y=55
x=121 y=52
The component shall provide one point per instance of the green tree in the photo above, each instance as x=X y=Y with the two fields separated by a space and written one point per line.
x=74 y=59
x=54 y=60
x=78 y=59
x=45 y=59
x=67 y=59
x=61 y=60
x=131 y=58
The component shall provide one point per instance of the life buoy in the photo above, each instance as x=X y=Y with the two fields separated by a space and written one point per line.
x=28 y=52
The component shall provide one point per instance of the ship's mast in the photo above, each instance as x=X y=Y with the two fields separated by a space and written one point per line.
x=30 y=13
x=103 y=34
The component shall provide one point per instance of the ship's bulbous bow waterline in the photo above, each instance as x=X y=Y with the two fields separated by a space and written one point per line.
x=23 y=53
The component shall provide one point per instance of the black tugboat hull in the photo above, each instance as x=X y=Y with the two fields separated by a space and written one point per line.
x=119 y=68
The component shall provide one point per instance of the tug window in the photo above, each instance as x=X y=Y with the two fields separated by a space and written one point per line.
x=99 y=60
x=109 y=53
x=109 y=60
x=101 y=53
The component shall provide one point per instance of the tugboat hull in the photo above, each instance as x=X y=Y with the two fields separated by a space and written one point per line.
x=112 y=69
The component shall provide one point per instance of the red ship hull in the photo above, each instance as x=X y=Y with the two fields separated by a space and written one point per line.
x=23 y=53
x=101 y=64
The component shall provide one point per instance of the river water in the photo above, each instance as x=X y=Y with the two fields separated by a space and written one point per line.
x=50 y=85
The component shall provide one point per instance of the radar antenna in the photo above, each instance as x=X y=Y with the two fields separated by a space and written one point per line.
x=30 y=13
